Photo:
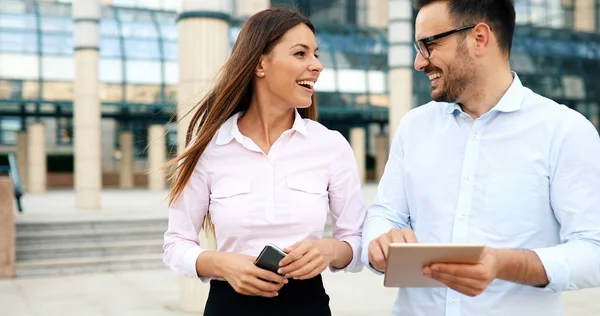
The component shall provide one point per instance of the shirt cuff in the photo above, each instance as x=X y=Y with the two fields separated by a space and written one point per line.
x=355 y=264
x=556 y=267
x=189 y=263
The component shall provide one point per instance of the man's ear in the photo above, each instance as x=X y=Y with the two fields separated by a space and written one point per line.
x=483 y=36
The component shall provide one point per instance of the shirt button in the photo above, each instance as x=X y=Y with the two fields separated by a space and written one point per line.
x=462 y=217
x=468 y=176
x=453 y=302
x=475 y=136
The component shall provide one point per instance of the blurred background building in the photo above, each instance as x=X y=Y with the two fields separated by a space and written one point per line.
x=367 y=84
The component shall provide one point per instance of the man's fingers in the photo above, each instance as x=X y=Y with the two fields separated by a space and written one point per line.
x=384 y=244
x=467 y=286
x=376 y=255
x=409 y=236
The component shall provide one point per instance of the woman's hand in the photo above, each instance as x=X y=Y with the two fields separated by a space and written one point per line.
x=307 y=259
x=248 y=279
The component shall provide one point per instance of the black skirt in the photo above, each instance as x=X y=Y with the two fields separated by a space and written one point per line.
x=298 y=297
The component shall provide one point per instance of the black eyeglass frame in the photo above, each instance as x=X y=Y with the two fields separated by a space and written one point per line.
x=427 y=40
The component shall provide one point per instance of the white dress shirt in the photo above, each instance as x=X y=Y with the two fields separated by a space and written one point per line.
x=525 y=175
x=282 y=197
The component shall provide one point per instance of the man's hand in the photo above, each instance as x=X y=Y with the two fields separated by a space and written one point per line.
x=378 y=248
x=468 y=279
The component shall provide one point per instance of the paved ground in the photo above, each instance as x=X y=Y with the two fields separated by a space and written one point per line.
x=156 y=292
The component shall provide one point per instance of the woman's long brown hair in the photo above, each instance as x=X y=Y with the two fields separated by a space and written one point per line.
x=233 y=92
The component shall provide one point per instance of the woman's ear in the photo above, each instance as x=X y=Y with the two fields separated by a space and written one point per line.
x=260 y=68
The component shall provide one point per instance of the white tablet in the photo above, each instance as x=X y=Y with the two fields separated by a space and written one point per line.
x=405 y=262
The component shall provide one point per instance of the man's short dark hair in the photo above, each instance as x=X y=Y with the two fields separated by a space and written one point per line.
x=498 y=14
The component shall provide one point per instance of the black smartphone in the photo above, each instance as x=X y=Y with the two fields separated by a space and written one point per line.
x=269 y=258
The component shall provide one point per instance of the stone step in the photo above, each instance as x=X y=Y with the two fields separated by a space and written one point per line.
x=67 y=266
x=99 y=224
x=88 y=249
x=25 y=238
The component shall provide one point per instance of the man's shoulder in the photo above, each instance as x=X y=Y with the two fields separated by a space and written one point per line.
x=424 y=114
x=549 y=109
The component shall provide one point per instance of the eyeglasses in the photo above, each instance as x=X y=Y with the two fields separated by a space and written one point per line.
x=421 y=45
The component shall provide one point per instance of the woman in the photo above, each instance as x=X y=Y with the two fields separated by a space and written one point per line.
x=259 y=169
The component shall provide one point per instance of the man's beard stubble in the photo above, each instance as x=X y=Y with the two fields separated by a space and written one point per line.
x=460 y=74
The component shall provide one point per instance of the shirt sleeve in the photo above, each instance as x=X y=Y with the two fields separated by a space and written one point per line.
x=346 y=203
x=186 y=217
x=575 y=199
x=389 y=209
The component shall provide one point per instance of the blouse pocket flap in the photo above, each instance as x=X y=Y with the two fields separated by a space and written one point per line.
x=307 y=184
x=230 y=187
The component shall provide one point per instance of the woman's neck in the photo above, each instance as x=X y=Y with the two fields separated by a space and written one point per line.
x=264 y=123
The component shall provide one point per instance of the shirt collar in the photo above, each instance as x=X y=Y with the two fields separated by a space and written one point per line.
x=510 y=101
x=229 y=130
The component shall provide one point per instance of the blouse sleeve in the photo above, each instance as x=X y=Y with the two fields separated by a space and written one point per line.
x=346 y=203
x=186 y=217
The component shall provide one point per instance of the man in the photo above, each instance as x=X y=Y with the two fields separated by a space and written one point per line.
x=489 y=162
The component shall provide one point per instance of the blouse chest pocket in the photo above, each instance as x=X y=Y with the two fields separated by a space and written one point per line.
x=307 y=185
x=230 y=192
x=307 y=203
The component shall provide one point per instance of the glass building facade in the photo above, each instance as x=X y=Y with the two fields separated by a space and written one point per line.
x=139 y=69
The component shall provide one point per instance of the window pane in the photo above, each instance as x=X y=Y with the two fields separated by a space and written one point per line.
x=58 y=68
x=110 y=47
x=145 y=49
x=139 y=29
x=20 y=42
x=57 y=44
x=19 y=21
x=111 y=70
x=171 y=50
x=57 y=24
x=109 y=28
x=169 y=31
x=143 y=72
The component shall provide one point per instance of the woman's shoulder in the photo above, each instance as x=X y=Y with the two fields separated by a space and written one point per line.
x=319 y=132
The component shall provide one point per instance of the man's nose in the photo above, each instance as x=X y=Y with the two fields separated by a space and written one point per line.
x=420 y=62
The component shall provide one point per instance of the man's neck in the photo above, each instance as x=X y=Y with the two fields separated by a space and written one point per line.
x=486 y=93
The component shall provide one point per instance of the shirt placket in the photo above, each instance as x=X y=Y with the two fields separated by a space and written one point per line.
x=465 y=198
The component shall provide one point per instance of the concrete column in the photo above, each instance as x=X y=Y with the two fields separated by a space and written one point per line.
x=36 y=157
x=381 y=155
x=585 y=15
x=157 y=153
x=7 y=229
x=126 y=172
x=22 y=157
x=246 y=8
x=377 y=13
x=203 y=48
x=400 y=61
x=87 y=114
x=358 y=137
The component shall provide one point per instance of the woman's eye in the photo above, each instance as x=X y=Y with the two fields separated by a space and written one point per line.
x=317 y=56
x=301 y=54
